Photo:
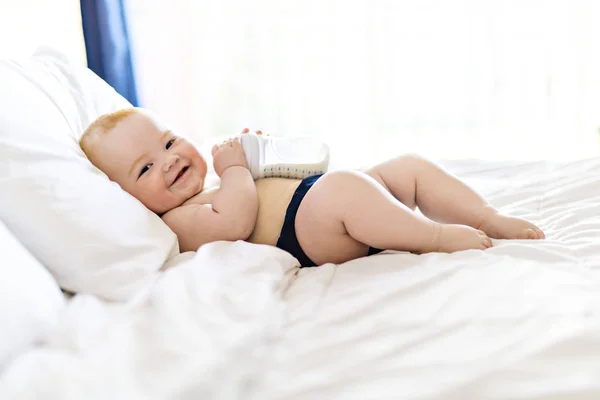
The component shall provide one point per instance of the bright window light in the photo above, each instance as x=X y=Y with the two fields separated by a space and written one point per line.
x=484 y=79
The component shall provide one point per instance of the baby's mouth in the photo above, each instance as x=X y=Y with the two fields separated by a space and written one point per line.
x=180 y=174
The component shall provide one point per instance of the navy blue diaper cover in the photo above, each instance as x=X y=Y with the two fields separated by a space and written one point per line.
x=288 y=240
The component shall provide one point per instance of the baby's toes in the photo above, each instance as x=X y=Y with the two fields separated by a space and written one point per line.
x=539 y=233
x=529 y=234
x=487 y=242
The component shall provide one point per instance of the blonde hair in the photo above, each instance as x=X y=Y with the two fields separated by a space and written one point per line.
x=100 y=126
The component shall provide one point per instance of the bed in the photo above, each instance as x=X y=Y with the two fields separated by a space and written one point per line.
x=238 y=320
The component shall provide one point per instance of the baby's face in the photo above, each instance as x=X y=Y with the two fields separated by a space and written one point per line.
x=150 y=162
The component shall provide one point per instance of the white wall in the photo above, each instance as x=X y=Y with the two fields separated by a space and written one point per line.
x=497 y=79
x=26 y=24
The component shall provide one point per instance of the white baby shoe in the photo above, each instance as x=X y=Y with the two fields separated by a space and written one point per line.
x=283 y=157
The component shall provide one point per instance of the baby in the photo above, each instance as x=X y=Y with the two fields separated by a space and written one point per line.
x=334 y=217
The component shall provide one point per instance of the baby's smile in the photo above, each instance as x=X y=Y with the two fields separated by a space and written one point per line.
x=181 y=177
x=150 y=162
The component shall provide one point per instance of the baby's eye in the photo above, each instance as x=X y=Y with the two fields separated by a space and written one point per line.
x=145 y=169
x=170 y=143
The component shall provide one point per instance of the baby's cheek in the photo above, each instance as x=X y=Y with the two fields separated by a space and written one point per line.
x=202 y=166
x=151 y=198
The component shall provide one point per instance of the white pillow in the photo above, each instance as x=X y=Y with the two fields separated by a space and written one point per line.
x=30 y=299
x=92 y=236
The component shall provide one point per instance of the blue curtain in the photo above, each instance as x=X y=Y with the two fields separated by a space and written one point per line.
x=107 y=45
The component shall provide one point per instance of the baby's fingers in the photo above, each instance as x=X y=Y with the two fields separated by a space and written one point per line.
x=236 y=142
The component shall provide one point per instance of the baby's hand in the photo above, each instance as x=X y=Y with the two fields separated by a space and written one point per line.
x=258 y=132
x=230 y=153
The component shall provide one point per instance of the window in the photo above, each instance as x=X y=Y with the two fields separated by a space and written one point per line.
x=26 y=24
x=502 y=79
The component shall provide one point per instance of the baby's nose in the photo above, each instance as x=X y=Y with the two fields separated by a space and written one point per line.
x=171 y=160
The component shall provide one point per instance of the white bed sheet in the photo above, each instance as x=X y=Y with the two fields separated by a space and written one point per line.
x=517 y=321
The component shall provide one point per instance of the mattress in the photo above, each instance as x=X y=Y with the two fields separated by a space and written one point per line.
x=237 y=320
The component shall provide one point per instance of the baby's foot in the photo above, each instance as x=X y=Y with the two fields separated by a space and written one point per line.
x=451 y=238
x=501 y=226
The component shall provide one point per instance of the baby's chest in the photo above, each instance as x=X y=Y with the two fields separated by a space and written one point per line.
x=204 y=197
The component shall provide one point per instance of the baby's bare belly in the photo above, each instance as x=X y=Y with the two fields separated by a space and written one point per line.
x=274 y=195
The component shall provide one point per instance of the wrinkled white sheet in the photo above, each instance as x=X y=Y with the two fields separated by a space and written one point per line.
x=518 y=321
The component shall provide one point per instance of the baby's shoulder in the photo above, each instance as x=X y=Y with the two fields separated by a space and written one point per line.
x=204 y=197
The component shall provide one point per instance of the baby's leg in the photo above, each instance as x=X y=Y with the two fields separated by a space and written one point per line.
x=345 y=212
x=443 y=198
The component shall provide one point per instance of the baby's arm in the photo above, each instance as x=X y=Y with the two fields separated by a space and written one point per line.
x=232 y=214
x=236 y=201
